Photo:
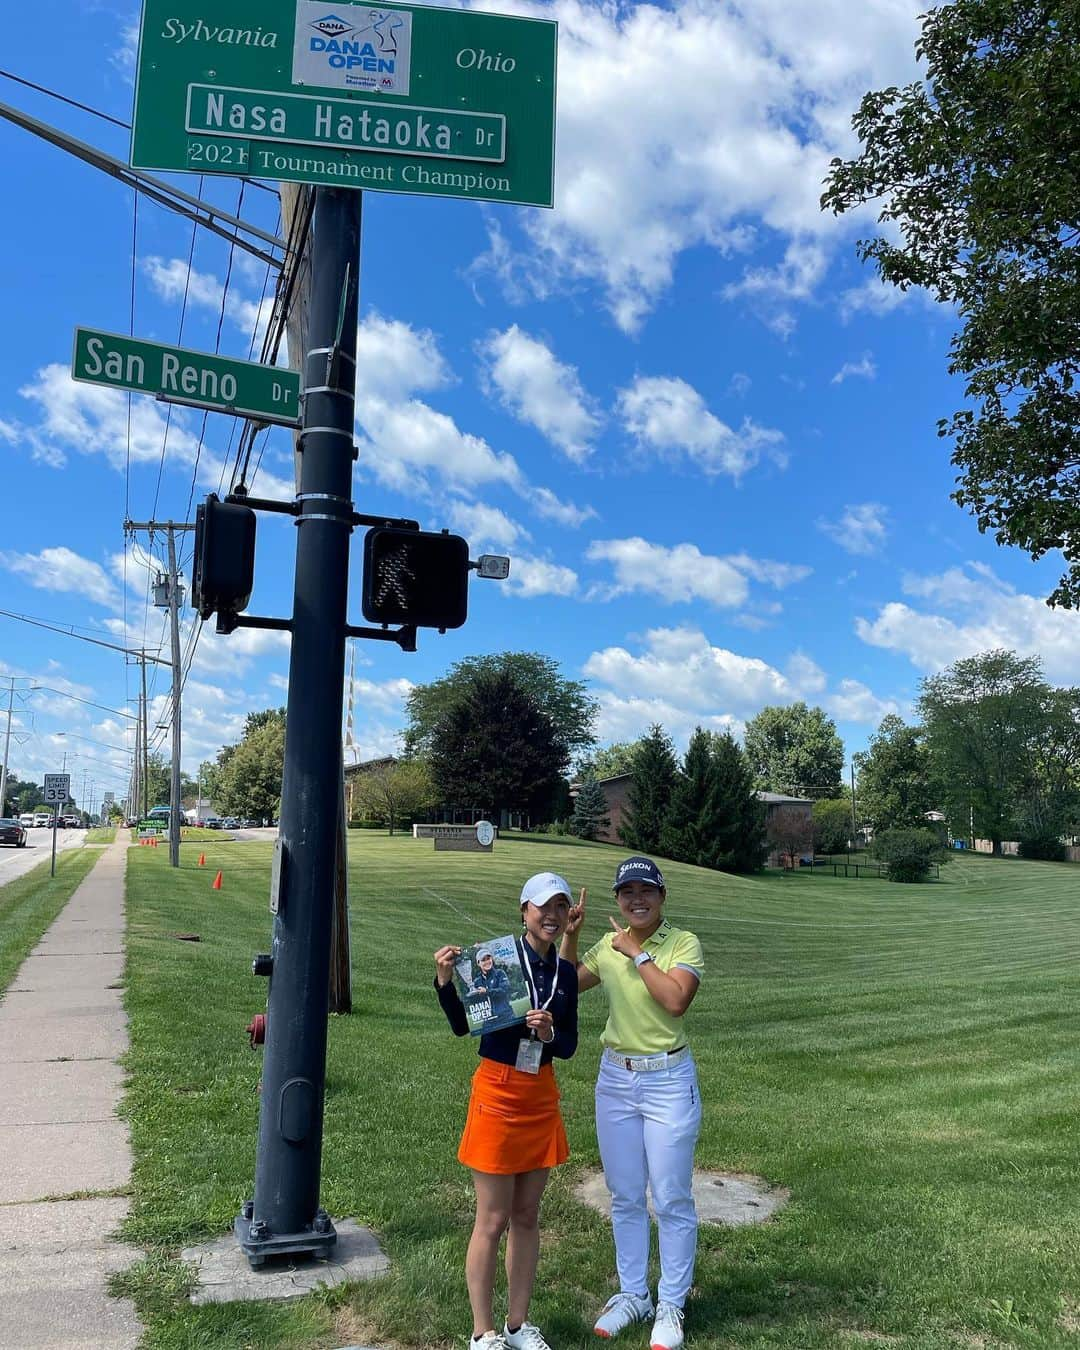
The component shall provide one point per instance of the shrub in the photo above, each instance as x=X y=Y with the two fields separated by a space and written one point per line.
x=907 y=854
x=1043 y=848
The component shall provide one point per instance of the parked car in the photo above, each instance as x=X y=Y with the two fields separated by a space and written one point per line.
x=41 y=819
x=27 y=820
x=213 y=822
x=12 y=833
x=249 y=824
x=230 y=823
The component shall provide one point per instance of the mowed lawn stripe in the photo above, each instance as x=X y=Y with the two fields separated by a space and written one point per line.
x=901 y=1058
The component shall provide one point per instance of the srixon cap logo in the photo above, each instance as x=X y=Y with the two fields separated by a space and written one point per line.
x=640 y=867
x=332 y=26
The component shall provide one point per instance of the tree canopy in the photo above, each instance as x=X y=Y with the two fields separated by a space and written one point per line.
x=568 y=708
x=714 y=818
x=248 y=778
x=978 y=170
x=654 y=772
x=394 y=793
x=494 y=746
x=896 y=785
x=983 y=716
x=795 y=750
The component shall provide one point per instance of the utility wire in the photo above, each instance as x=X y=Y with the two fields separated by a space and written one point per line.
x=63 y=98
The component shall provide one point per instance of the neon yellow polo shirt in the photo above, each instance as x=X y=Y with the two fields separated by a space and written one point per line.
x=637 y=1025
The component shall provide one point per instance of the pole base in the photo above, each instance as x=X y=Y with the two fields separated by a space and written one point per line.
x=259 y=1245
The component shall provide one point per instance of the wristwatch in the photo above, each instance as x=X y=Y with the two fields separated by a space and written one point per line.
x=642 y=958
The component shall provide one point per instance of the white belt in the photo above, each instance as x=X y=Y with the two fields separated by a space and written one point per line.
x=646 y=1063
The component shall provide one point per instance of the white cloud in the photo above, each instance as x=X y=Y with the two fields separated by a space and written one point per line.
x=535 y=576
x=680 y=679
x=394 y=360
x=485 y=526
x=665 y=414
x=863 y=369
x=987 y=613
x=676 y=575
x=413 y=448
x=60 y=569
x=547 y=505
x=540 y=390
x=233 y=654
x=682 y=573
x=852 y=701
x=170 y=277
x=678 y=125
x=861 y=529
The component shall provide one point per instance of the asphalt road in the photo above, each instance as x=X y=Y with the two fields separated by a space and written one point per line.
x=15 y=861
x=261 y=836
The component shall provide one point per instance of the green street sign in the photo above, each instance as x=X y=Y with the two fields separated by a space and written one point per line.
x=439 y=102
x=197 y=379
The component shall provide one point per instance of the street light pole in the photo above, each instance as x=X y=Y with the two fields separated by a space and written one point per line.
x=174 y=620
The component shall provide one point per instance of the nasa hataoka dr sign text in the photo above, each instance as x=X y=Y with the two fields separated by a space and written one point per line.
x=440 y=102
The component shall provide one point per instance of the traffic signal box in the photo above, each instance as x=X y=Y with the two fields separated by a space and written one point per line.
x=223 y=572
x=415 y=577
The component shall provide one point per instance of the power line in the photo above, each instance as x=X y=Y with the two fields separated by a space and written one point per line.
x=63 y=98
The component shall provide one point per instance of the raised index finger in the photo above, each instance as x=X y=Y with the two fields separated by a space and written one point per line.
x=615 y=924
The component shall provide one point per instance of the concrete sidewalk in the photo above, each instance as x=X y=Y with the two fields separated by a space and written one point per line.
x=62 y=1027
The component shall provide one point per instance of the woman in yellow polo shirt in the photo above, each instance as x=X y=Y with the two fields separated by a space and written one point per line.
x=648 y=1107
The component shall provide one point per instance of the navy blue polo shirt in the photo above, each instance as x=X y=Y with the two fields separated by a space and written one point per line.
x=502 y=1045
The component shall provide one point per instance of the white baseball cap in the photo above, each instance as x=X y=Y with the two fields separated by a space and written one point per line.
x=544 y=886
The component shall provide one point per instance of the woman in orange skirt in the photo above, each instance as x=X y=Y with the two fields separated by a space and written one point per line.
x=514 y=1131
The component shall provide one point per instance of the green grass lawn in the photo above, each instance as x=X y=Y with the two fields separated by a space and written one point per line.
x=29 y=904
x=104 y=834
x=903 y=1058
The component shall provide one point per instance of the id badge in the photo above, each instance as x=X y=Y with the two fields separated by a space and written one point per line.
x=528 y=1056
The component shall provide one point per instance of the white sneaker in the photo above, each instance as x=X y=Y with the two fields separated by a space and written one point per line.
x=667 y=1332
x=527 y=1337
x=622 y=1311
x=490 y=1340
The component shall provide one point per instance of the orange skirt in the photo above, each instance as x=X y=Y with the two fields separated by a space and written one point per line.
x=514 y=1123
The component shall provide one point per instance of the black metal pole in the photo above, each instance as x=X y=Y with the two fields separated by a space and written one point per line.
x=285 y=1215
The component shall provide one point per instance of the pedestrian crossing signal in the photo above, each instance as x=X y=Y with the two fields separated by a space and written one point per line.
x=415 y=577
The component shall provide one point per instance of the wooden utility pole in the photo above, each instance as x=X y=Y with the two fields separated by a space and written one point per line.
x=172 y=602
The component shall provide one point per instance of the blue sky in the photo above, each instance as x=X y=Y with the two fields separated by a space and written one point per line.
x=702 y=430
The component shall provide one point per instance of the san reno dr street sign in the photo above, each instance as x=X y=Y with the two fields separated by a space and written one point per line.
x=442 y=102
x=219 y=383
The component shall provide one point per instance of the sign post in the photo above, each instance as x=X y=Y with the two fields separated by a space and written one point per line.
x=198 y=379
x=415 y=99
x=57 y=791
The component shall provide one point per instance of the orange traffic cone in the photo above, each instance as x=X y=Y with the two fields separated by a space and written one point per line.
x=202 y=859
x=217 y=883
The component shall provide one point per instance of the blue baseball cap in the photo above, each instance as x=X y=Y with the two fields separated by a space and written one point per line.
x=639 y=869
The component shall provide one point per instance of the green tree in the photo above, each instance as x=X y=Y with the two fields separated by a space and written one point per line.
x=691 y=815
x=908 y=854
x=250 y=777
x=795 y=750
x=22 y=796
x=496 y=748
x=976 y=171
x=394 y=793
x=1049 y=797
x=611 y=760
x=896 y=785
x=654 y=770
x=714 y=818
x=567 y=706
x=983 y=717
x=158 y=779
x=830 y=819
x=590 y=808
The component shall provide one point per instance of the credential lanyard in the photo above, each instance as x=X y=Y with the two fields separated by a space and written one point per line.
x=534 y=995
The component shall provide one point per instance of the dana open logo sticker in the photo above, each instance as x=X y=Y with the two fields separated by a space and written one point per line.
x=352 y=47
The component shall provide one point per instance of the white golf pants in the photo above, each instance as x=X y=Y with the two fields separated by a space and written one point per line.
x=647 y=1125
